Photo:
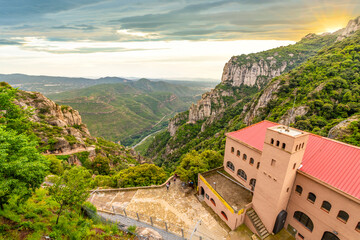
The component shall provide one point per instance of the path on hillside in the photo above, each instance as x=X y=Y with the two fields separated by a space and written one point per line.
x=88 y=149
x=131 y=222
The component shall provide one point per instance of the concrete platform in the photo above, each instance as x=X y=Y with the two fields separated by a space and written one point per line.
x=174 y=206
x=236 y=195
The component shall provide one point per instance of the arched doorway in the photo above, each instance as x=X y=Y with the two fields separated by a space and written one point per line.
x=202 y=191
x=329 y=236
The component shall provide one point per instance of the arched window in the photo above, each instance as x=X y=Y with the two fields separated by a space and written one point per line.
x=213 y=202
x=358 y=227
x=343 y=216
x=232 y=149
x=298 y=189
x=252 y=183
x=238 y=153
x=272 y=141
x=294 y=166
x=251 y=161
x=283 y=146
x=329 y=236
x=230 y=165
x=296 y=147
x=224 y=215
x=302 y=145
x=326 y=206
x=311 y=197
x=242 y=174
x=258 y=165
x=304 y=220
x=277 y=143
x=244 y=157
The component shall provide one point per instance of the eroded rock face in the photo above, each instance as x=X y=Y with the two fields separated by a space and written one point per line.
x=341 y=129
x=210 y=104
x=252 y=73
x=265 y=98
x=61 y=115
x=175 y=122
x=290 y=116
x=61 y=119
x=351 y=27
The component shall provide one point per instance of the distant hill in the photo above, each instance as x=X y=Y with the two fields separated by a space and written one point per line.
x=48 y=84
x=129 y=111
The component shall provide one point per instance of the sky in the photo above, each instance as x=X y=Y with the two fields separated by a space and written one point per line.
x=183 y=39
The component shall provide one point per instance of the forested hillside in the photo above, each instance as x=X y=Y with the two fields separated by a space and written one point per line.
x=327 y=103
x=127 y=112
x=45 y=143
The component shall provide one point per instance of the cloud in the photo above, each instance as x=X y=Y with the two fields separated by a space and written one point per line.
x=9 y=42
x=163 y=20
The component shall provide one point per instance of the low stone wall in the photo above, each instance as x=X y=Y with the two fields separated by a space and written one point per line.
x=132 y=188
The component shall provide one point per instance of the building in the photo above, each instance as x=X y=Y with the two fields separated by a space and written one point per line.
x=277 y=177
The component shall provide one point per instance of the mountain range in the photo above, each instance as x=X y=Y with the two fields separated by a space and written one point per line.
x=312 y=85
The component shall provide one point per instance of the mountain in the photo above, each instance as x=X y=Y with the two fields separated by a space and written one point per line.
x=57 y=129
x=47 y=84
x=262 y=86
x=129 y=111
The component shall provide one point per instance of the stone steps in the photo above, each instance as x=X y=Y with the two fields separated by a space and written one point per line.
x=258 y=224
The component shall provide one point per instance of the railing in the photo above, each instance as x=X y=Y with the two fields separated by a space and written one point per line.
x=99 y=219
x=181 y=231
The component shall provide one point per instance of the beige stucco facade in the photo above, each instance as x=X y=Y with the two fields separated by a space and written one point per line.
x=323 y=220
x=275 y=169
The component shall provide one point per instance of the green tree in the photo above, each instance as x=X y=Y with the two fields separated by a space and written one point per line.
x=142 y=175
x=101 y=164
x=56 y=166
x=193 y=163
x=71 y=190
x=22 y=167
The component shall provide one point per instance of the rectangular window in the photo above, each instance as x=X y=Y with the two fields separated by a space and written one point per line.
x=273 y=161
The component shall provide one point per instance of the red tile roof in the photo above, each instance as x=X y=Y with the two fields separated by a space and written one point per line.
x=253 y=135
x=333 y=162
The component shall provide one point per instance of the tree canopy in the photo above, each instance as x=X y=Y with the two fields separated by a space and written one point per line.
x=71 y=190
x=22 y=167
x=193 y=163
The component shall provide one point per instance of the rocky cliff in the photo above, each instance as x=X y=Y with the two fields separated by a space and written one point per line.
x=351 y=27
x=61 y=132
x=254 y=92
x=252 y=71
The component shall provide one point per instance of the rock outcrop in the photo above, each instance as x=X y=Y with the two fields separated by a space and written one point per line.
x=176 y=122
x=342 y=129
x=264 y=99
x=253 y=73
x=351 y=27
x=61 y=126
x=209 y=104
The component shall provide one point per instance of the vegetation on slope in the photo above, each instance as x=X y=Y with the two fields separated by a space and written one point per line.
x=327 y=85
x=127 y=112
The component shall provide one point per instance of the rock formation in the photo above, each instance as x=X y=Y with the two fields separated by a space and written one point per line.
x=253 y=73
x=351 y=27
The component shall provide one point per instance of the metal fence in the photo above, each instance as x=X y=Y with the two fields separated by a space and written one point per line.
x=181 y=231
x=184 y=232
x=99 y=219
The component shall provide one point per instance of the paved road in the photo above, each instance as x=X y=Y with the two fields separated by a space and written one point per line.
x=131 y=222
